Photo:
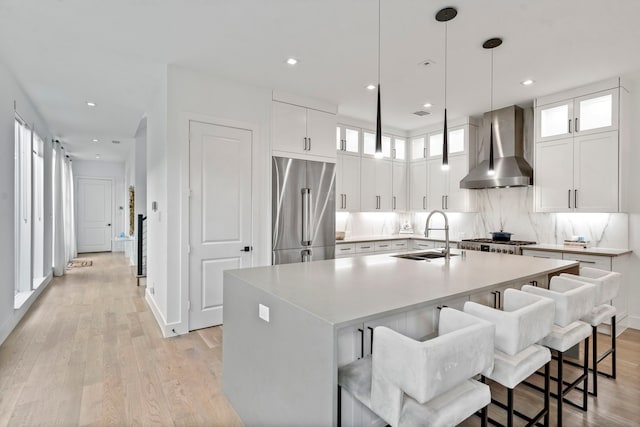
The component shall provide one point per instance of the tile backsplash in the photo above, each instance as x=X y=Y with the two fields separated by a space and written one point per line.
x=508 y=209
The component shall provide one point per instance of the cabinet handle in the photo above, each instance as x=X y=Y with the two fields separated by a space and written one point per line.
x=365 y=247
x=309 y=143
x=384 y=246
x=361 y=342
x=394 y=203
x=495 y=299
x=569 y=125
x=586 y=262
x=442 y=202
x=576 y=127
x=344 y=249
x=424 y=202
x=305 y=144
x=345 y=201
x=371 y=332
x=424 y=152
x=499 y=299
x=575 y=199
x=569 y=198
x=393 y=153
x=446 y=202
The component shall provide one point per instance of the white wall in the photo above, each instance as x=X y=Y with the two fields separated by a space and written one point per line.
x=156 y=155
x=141 y=168
x=10 y=91
x=634 y=208
x=192 y=94
x=115 y=171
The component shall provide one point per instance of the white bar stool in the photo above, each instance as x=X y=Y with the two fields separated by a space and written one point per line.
x=524 y=320
x=412 y=383
x=607 y=287
x=573 y=301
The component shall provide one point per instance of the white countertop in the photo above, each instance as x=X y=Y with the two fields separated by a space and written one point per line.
x=343 y=291
x=415 y=236
x=578 y=250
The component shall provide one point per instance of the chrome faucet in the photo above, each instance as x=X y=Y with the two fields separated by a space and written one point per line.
x=446 y=231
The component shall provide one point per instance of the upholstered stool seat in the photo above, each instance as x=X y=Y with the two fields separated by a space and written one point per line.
x=524 y=320
x=412 y=383
x=607 y=286
x=573 y=301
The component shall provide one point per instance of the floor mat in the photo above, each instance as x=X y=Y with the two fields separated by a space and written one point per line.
x=79 y=263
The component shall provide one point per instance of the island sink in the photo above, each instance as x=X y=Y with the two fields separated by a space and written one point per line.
x=422 y=256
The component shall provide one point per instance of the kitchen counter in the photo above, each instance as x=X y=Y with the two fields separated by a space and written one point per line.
x=284 y=324
x=415 y=236
x=612 y=252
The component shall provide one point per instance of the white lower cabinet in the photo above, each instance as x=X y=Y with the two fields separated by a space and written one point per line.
x=344 y=250
x=422 y=244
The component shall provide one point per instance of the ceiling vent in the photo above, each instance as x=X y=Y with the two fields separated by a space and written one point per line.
x=115 y=141
x=422 y=113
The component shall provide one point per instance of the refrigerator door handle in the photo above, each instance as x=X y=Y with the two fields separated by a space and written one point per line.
x=306 y=212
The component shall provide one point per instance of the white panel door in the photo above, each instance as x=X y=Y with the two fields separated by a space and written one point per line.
x=321 y=131
x=94 y=214
x=220 y=215
x=289 y=128
x=399 y=186
x=368 y=190
x=436 y=185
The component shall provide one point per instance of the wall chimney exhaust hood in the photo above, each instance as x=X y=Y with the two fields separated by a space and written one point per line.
x=510 y=167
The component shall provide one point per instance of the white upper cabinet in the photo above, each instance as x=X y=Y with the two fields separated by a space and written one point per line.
x=580 y=165
x=301 y=131
x=399 y=151
x=418 y=186
x=583 y=115
x=443 y=190
x=376 y=185
x=399 y=201
x=347 y=183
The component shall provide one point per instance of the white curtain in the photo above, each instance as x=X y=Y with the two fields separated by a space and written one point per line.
x=63 y=205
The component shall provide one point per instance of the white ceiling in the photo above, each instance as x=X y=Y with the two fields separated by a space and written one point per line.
x=67 y=52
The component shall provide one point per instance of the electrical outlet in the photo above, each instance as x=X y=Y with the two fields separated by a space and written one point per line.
x=263 y=312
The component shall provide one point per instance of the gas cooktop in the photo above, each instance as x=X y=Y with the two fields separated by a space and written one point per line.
x=498 y=242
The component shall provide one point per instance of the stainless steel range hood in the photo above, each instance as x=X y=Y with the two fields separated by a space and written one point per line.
x=511 y=168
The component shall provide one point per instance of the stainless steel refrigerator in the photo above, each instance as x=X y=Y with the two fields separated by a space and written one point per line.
x=303 y=210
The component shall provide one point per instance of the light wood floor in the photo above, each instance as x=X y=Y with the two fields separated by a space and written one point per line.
x=89 y=352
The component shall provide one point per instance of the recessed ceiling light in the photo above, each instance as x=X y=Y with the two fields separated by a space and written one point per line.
x=528 y=82
x=292 y=61
x=97 y=156
x=94 y=140
x=371 y=87
x=91 y=104
x=427 y=105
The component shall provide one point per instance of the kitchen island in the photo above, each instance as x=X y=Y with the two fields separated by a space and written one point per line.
x=287 y=328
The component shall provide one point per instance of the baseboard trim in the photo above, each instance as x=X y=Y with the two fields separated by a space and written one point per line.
x=633 y=322
x=166 y=329
x=18 y=314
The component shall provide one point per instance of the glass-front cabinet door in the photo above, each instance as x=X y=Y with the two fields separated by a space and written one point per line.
x=348 y=139
x=597 y=112
x=554 y=121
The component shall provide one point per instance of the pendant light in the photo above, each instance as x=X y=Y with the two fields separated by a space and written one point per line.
x=445 y=15
x=491 y=44
x=378 y=152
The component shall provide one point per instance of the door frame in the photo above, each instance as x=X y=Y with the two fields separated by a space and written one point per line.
x=257 y=135
x=76 y=203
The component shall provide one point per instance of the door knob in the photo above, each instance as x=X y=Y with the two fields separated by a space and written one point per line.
x=108 y=225
x=246 y=249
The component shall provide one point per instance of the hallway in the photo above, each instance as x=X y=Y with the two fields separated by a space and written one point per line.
x=89 y=352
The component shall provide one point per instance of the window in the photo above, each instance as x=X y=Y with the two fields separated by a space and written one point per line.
x=37 y=252
x=23 y=158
